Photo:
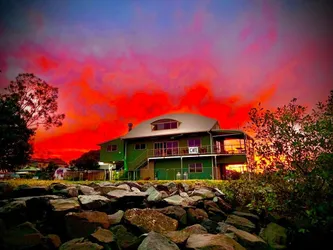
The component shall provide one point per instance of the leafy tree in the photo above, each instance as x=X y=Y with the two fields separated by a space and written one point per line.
x=15 y=148
x=295 y=150
x=51 y=167
x=87 y=161
x=37 y=100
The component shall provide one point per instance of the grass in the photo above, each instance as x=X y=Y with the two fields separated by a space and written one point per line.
x=32 y=182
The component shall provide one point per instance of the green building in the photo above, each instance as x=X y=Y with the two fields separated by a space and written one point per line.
x=177 y=146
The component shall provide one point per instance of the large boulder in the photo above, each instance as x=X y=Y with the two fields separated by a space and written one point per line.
x=212 y=242
x=14 y=212
x=210 y=225
x=150 y=220
x=93 y=201
x=179 y=237
x=5 y=190
x=23 y=236
x=196 y=215
x=252 y=217
x=124 y=238
x=116 y=217
x=225 y=206
x=204 y=193
x=241 y=223
x=156 y=241
x=214 y=211
x=275 y=235
x=85 y=223
x=86 y=190
x=103 y=235
x=175 y=212
x=250 y=241
x=25 y=190
x=65 y=205
x=153 y=195
x=80 y=244
x=121 y=193
x=177 y=200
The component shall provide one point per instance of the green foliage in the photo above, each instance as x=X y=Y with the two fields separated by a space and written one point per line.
x=295 y=149
x=15 y=149
x=88 y=161
x=37 y=101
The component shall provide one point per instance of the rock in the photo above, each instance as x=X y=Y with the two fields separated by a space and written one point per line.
x=179 y=237
x=54 y=240
x=93 y=201
x=211 y=226
x=57 y=187
x=5 y=190
x=104 y=189
x=175 y=212
x=226 y=207
x=241 y=223
x=154 y=195
x=150 y=220
x=123 y=193
x=80 y=244
x=224 y=227
x=250 y=241
x=24 y=190
x=196 y=198
x=176 y=200
x=135 y=189
x=116 y=217
x=252 y=217
x=204 y=193
x=125 y=239
x=86 y=190
x=212 y=242
x=14 y=213
x=124 y=187
x=103 y=236
x=196 y=215
x=183 y=195
x=161 y=187
x=172 y=187
x=275 y=235
x=62 y=205
x=85 y=223
x=214 y=211
x=23 y=236
x=156 y=241
x=219 y=192
x=183 y=187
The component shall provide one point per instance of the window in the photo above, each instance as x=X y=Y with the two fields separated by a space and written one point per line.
x=165 y=124
x=194 y=142
x=195 y=168
x=140 y=146
x=111 y=148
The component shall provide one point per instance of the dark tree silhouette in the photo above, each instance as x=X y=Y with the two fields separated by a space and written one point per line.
x=88 y=160
x=15 y=148
x=37 y=101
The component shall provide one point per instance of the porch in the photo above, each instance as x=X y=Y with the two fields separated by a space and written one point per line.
x=217 y=149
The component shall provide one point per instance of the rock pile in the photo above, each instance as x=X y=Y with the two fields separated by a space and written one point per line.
x=129 y=215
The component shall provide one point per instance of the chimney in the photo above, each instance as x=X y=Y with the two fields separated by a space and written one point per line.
x=130 y=126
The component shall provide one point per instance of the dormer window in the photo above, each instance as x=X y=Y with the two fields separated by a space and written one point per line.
x=165 y=124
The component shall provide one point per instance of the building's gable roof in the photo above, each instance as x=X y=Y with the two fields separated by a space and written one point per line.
x=189 y=123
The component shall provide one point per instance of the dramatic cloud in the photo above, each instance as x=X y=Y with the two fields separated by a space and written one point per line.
x=126 y=62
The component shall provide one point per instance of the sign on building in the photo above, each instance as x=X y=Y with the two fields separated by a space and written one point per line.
x=193 y=150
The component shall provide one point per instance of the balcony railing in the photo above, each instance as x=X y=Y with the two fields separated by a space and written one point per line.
x=204 y=149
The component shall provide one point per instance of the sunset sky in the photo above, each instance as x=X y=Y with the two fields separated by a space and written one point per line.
x=120 y=61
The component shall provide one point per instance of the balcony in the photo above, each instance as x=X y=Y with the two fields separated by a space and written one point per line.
x=202 y=150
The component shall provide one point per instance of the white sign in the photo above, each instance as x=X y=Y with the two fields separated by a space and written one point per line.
x=193 y=150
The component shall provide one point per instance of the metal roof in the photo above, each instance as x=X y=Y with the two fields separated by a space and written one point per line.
x=189 y=123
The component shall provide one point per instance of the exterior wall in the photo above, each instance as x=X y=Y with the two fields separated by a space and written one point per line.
x=112 y=156
x=167 y=169
x=147 y=172
x=132 y=153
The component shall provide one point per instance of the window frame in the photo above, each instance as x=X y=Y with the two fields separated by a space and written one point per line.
x=164 y=125
x=188 y=142
x=113 y=148
x=196 y=165
x=140 y=148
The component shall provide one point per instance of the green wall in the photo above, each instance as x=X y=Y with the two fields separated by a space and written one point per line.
x=132 y=153
x=112 y=156
x=167 y=169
